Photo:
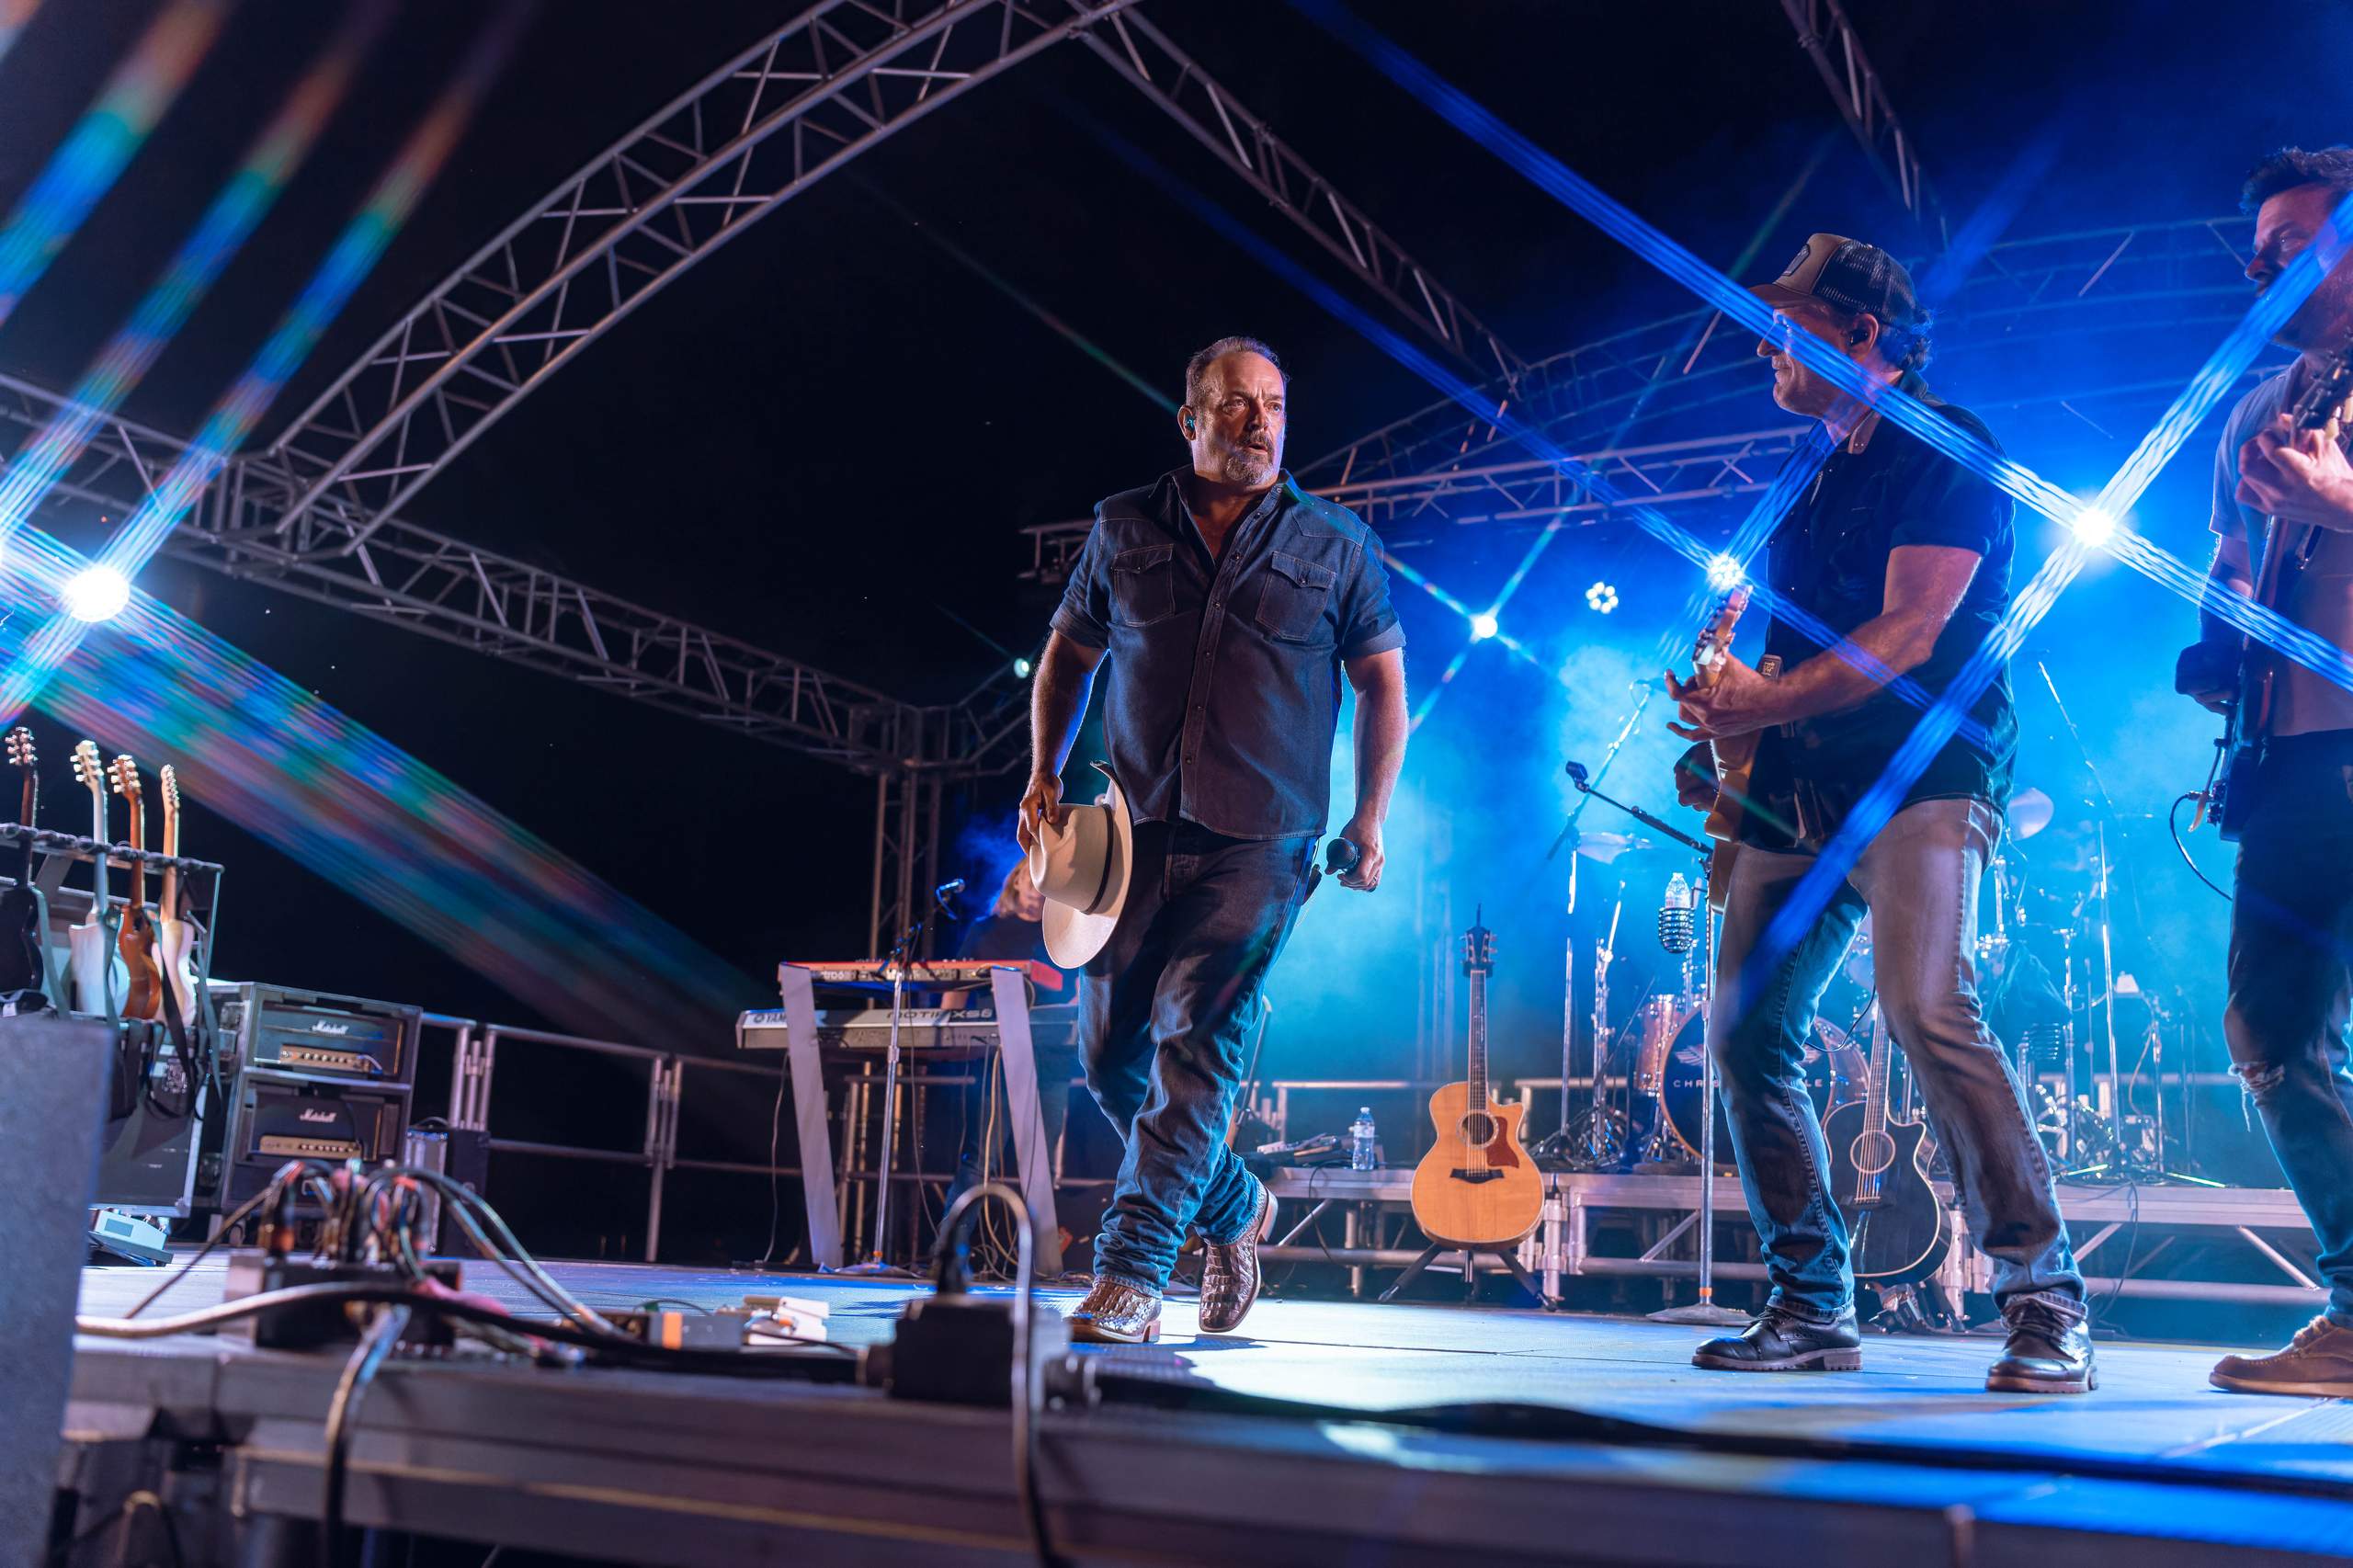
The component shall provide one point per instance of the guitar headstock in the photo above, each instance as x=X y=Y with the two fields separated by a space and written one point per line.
x=1716 y=641
x=123 y=774
x=20 y=749
x=169 y=783
x=1478 y=950
x=2330 y=399
x=88 y=771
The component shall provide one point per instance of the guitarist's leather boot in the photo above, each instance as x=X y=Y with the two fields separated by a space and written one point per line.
x=1783 y=1342
x=1230 y=1273
x=2049 y=1352
x=2318 y=1362
x=1115 y=1312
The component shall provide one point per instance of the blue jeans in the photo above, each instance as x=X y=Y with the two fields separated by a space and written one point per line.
x=1918 y=879
x=2291 y=926
x=1165 y=1013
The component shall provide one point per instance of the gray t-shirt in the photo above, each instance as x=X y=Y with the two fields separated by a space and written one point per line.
x=2322 y=600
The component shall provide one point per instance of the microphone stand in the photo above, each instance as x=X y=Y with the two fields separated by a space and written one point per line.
x=1705 y=1311
x=901 y=954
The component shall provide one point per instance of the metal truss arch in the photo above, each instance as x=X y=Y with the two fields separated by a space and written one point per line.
x=1146 y=58
x=838 y=79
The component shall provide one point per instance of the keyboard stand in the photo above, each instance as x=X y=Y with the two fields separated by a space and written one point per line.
x=1033 y=1156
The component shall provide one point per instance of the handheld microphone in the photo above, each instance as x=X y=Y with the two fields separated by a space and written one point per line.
x=1678 y=928
x=1340 y=856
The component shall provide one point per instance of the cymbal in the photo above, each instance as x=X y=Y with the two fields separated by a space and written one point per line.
x=2030 y=811
x=1606 y=847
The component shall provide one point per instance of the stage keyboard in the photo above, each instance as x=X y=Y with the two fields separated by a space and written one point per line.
x=964 y=1031
x=951 y=974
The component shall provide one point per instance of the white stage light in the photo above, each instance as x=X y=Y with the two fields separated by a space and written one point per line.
x=1601 y=598
x=2094 y=526
x=96 y=593
x=1021 y=668
x=1724 y=574
x=1482 y=626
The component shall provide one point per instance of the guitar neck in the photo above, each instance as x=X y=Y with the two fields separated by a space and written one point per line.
x=1875 y=1084
x=167 y=896
x=30 y=801
x=1478 y=1081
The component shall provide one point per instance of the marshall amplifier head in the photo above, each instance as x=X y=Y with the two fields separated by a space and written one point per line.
x=282 y=1115
x=284 y=1030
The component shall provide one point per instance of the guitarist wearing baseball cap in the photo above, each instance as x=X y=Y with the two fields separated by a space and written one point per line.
x=1906 y=557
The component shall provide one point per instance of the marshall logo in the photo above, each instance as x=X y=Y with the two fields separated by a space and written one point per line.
x=321 y=1026
x=327 y=1116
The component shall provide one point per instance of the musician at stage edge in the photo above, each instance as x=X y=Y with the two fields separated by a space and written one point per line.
x=1906 y=556
x=1230 y=604
x=2283 y=515
x=1011 y=929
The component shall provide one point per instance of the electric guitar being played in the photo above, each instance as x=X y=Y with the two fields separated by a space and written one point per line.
x=23 y=956
x=1476 y=1187
x=1735 y=758
x=144 y=996
x=2324 y=404
x=174 y=937
x=100 y=980
x=1897 y=1230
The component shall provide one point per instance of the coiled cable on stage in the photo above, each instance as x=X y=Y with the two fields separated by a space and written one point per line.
x=951 y=1276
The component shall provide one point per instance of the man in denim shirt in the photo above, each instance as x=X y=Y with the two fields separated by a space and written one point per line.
x=1231 y=604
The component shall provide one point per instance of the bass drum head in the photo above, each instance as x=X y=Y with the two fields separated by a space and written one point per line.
x=1834 y=1070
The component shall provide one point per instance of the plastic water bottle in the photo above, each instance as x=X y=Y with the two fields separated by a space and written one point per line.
x=1362 y=1155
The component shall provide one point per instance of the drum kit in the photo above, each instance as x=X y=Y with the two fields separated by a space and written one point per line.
x=2046 y=978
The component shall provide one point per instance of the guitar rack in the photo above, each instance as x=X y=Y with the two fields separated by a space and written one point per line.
x=149 y=1164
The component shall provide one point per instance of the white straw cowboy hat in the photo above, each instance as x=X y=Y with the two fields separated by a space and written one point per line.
x=1081 y=869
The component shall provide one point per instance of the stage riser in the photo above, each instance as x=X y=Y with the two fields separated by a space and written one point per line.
x=691 y=1471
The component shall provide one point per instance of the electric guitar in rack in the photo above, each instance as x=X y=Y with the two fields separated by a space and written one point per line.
x=100 y=980
x=1476 y=1187
x=144 y=996
x=1878 y=1174
x=174 y=937
x=2325 y=404
x=1735 y=758
x=23 y=957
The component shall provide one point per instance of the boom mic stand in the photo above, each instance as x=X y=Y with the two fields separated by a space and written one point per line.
x=1705 y=1311
x=901 y=954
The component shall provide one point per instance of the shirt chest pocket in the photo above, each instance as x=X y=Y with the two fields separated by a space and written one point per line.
x=1294 y=595
x=1143 y=585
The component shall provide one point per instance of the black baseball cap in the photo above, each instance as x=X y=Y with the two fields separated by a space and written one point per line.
x=1848 y=276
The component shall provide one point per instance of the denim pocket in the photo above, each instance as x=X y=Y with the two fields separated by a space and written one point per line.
x=1292 y=595
x=1143 y=585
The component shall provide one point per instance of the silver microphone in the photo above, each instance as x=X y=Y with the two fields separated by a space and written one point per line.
x=1679 y=926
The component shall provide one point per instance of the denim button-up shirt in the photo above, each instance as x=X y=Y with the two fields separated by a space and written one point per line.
x=1223 y=690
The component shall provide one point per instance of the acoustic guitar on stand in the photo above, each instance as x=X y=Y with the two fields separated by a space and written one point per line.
x=23 y=961
x=1735 y=757
x=174 y=937
x=144 y=997
x=1476 y=1187
x=1878 y=1174
x=100 y=980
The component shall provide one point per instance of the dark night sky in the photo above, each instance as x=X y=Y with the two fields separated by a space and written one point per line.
x=829 y=433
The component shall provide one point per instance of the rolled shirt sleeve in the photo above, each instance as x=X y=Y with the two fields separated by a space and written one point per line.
x=1084 y=614
x=1369 y=622
x=1950 y=505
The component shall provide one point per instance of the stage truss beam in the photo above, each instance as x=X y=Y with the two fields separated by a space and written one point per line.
x=1830 y=41
x=834 y=82
x=1145 y=58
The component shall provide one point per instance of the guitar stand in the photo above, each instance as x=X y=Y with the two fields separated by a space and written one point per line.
x=1509 y=1254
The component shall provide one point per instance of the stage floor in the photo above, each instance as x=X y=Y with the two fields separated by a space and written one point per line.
x=2154 y=1402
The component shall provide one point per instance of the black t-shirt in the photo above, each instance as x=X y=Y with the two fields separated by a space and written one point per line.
x=1829 y=557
